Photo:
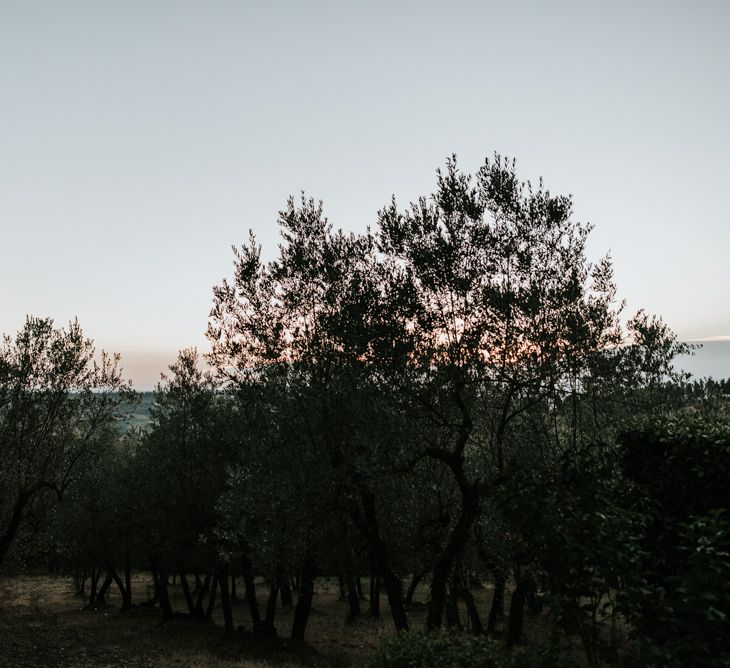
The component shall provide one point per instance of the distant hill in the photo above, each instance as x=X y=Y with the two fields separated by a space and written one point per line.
x=135 y=414
x=711 y=360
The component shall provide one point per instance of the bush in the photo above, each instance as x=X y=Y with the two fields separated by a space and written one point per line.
x=679 y=599
x=456 y=650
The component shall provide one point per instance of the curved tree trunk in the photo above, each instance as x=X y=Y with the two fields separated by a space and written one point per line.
x=367 y=523
x=454 y=546
x=186 y=592
x=415 y=580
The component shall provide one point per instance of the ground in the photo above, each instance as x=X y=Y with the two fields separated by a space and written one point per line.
x=42 y=625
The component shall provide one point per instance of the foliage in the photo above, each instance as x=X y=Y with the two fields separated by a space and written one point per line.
x=679 y=468
x=56 y=402
x=443 y=649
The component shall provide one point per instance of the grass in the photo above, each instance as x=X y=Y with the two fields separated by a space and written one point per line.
x=42 y=625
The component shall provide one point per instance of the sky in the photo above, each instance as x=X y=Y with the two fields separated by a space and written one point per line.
x=139 y=140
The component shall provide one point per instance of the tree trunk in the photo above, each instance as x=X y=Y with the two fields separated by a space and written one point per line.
x=352 y=597
x=475 y=622
x=343 y=586
x=225 y=598
x=125 y=593
x=253 y=604
x=497 y=609
x=79 y=582
x=286 y=595
x=415 y=580
x=374 y=591
x=304 y=599
x=94 y=584
x=101 y=596
x=368 y=525
x=186 y=592
x=155 y=585
x=268 y=625
x=516 y=610
x=164 y=595
x=453 y=548
x=452 y=604
x=202 y=593
x=128 y=581
x=358 y=585
x=234 y=588
x=211 y=600
x=16 y=517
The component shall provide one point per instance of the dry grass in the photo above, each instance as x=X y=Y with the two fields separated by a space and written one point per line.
x=42 y=625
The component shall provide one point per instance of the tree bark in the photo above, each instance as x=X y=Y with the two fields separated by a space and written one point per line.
x=211 y=600
x=225 y=598
x=415 y=580
x=253 y=604
x=353 y=599
x=497 y=608
x=304 y=599
x=202 y=593
x=93 y=586
x=268 y=624
x=16 y=517
x=79 y=582
x=128 y=580
x=516 y=611
x=475 y=622
x=453 y=548
x=101 y=596
x=126 y=593
x=368 y=525
x=164 y=595
x=358 y=585
x=286 y=595
x=452 y=604
x=374 y=591
x=186 y=592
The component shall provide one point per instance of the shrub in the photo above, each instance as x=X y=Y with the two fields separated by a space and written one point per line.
x=456 y=650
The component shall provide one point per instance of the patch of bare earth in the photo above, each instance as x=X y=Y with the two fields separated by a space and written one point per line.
x=42 y=625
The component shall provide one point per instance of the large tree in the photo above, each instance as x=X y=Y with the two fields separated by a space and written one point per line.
x=501 y=312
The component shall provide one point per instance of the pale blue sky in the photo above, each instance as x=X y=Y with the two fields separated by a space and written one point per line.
x=139 y=140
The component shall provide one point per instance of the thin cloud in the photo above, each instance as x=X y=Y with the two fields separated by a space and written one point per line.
x=708 y=339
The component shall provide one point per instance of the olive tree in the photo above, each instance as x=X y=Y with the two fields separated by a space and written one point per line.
x=55 y=400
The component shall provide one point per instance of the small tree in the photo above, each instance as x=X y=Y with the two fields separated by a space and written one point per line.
x=55 y=400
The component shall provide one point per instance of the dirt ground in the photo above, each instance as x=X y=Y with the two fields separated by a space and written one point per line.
x=42 y=625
